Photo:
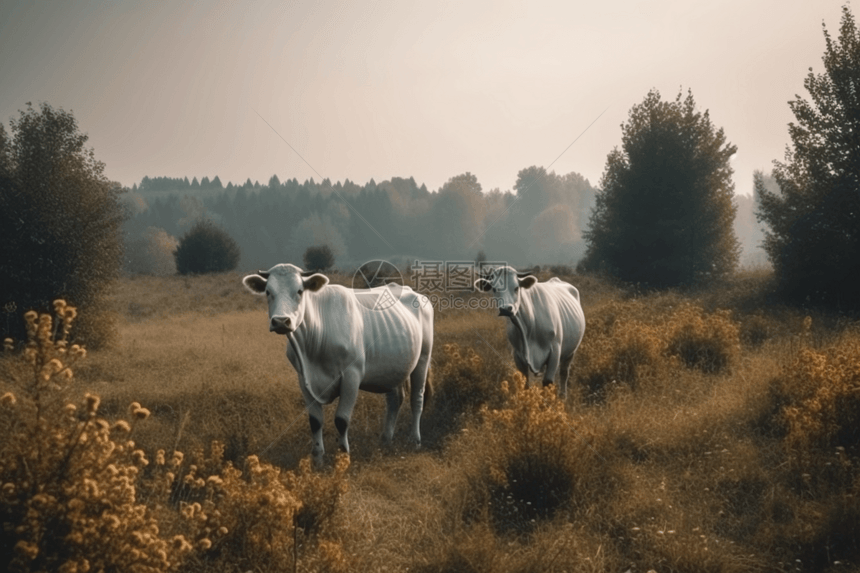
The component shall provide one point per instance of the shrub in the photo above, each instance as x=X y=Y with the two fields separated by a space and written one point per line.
x=824 y=392
x=151 y=253
x=68 y=500
x=206 y=248
x=528 y=461
x=251 y=518
x=77 y=494
x=60 y=223
x=707 y=342
x=318 y=258
x=617 y=349
x=462 y=382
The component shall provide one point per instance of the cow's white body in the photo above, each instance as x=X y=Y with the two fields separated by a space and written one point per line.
x=546 y=322
x=343 y=340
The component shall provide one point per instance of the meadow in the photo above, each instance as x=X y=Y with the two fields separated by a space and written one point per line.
x=704 y=430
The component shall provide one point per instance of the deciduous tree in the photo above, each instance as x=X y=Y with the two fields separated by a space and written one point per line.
x=60 y=223
x=813 y=235
x=664 y=213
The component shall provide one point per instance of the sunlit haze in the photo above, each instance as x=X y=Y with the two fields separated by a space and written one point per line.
x=428 y=90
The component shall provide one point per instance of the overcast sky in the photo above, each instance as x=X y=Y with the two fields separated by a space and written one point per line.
x=385 y=89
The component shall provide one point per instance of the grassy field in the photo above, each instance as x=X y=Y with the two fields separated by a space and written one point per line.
x=709 y=430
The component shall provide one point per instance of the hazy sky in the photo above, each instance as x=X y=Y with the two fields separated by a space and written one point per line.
x=385 y=89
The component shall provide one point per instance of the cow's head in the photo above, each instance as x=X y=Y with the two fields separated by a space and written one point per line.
x=286 y=288
x=505 y=284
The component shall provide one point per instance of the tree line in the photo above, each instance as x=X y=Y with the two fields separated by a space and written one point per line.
x=541 y=221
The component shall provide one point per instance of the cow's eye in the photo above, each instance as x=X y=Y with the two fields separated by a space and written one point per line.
x=301 y=290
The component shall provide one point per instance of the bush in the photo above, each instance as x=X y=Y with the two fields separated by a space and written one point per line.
x=619 y=349
x=152 y=253
x=707 y=342
x=318 y=258
x=528 y=461
x=823 y=391
x=68 y=500
x=206 y=248
x=252 y=518
x=463 y=382
x=77 y=494
x=60 y=223
x=628 y=345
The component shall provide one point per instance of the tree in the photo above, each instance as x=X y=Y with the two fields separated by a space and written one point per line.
x=456 y=214
x=813 y=235
x=206 y=248
x=318 y=258
x=60 y=223
x=664 y=214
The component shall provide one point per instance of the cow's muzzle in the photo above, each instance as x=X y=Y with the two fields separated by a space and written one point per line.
x=281 y=325
x=506 y=311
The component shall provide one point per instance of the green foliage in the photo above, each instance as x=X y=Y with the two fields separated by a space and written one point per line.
x=813 y=238
x=664 y=214
x=206 y=248
x=60 y=222
x=318 y=258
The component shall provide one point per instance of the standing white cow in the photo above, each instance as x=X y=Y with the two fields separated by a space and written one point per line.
x=547 y=322
x=343 y=340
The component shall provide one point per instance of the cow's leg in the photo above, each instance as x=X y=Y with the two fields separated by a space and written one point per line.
x=522 y=367
x=315 y=416
x=563 y=375
x=552 y=365
x=418 y=383
x=348 y=396
x=393 y=400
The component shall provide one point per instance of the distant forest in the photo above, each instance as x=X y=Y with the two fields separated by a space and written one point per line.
x=539 y=222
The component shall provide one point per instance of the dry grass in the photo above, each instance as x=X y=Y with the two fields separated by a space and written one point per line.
x=710 y=432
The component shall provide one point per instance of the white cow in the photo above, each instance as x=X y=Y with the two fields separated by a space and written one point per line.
x=343 y=340
x=547 y=322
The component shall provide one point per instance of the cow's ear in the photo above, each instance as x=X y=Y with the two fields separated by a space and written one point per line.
x=528 y=282
x=255 y=283
x=483 y=285
x=315 y=282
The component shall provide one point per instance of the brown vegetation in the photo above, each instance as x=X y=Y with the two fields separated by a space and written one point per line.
x=706 y=431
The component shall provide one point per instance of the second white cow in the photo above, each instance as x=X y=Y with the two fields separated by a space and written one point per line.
x=343 y=340
x=546 y=321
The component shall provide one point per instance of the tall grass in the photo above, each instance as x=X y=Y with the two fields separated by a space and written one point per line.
x=710 y=432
